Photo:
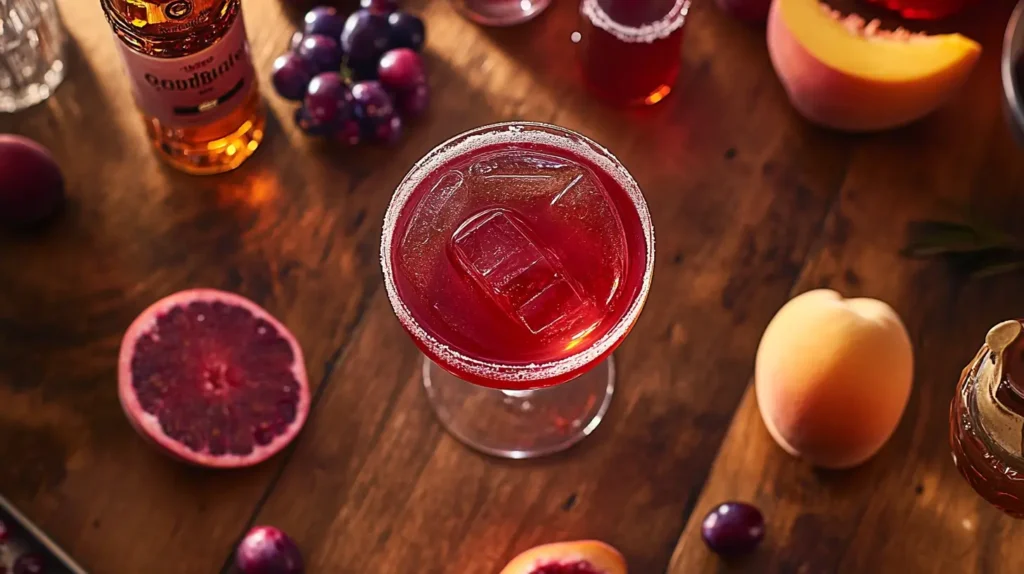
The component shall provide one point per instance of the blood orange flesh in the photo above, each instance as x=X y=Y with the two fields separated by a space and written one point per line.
x=213 y=379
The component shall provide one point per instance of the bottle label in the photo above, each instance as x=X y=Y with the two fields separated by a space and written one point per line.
x=197 y=89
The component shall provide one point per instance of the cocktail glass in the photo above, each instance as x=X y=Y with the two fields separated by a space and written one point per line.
x=629 y=50
x=518 y=256
x=500 y=12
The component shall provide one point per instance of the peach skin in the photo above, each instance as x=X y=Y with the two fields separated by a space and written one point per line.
x=832 y=377
x=578 y=557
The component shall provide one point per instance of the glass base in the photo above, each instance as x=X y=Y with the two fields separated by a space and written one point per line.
x=500 y=12
x=520 y=424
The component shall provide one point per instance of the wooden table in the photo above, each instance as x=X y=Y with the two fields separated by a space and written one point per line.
x=751 y=205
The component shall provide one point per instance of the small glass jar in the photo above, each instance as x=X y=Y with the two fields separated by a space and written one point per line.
x=500 y=12
x=32 y=64
x=986 y=420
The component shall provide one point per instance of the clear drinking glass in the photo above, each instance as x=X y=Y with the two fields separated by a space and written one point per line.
x=32 y=39
x=518 y=256
x=500 y=12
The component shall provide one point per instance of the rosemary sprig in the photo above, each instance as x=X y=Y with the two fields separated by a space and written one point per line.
x=976 y=249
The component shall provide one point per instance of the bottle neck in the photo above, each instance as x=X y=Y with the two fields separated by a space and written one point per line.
x=170 y=28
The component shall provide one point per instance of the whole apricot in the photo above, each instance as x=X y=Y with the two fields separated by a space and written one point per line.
x=833 y=376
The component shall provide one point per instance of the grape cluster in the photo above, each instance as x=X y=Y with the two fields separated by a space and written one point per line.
x=359 y=77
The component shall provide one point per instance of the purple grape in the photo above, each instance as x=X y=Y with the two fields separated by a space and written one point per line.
x=387 y=130
x=322 y=52
x=328 y=100
x=267 y=550
x=365 y=39
x=407 y=31
x=413 y=103
x=296 y=41
x=382 y=7
x=733 y=528
x=309 y=126
x=29 y=564
x=324 y=21
x=372 y=102
x=349 y=133
x=401 y=69
x=31 y=183
x=291 y=76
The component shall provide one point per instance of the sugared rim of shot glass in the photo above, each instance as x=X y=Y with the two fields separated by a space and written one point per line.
x=518 y=375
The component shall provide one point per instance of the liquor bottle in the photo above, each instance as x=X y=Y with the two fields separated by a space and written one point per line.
x=192 y=78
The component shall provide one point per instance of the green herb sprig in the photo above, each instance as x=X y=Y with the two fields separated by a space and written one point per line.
x=976 y=249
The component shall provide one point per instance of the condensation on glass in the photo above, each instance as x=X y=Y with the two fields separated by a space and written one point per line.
x=32 y=63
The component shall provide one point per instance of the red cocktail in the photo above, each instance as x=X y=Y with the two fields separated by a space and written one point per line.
x=924 y=9
x=518 y=256
x=629 y=49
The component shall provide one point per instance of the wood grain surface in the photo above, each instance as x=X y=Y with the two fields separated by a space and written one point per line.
x=751 y=205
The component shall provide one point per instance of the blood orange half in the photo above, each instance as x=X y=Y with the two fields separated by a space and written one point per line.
x=213 y=379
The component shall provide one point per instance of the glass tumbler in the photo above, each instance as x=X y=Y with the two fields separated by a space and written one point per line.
x=629 y=50
x=500 y=12
x=32 y=39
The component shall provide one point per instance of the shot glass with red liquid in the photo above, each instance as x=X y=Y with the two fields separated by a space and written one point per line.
x=924 y=9
x=629 y=50
x=518 y=256
x=500 y=12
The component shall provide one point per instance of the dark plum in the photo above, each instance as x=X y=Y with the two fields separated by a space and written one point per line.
x=291 y=76
x=413 y=103
x=31 y=183
x=407 y=31
x=401 y=69
x=309 y=126
x=382 y=7
x=372 y=102
x=349 y=133
x=267 y=550
x=733 y=528
x=328 y=99
x=365 y=39
x=387 y=130
x=324 y=21
x=323 y=53
x=31 y=563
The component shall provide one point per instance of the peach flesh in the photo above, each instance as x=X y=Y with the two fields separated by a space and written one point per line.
x=579 y=557
x=845 y=74
x=832 y=377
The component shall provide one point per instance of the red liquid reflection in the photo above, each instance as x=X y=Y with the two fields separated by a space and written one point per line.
x=924 y=9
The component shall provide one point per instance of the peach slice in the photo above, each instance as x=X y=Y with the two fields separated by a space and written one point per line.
x=846 y=74
x=578 y=557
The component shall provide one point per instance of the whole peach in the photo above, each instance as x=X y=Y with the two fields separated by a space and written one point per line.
x=833 y=377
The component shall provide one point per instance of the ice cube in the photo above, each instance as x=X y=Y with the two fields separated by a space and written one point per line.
x=513 y=163
x=528 y=283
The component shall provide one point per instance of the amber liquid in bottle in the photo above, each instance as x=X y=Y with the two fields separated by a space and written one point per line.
x=986 y=420
x=192 y=78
